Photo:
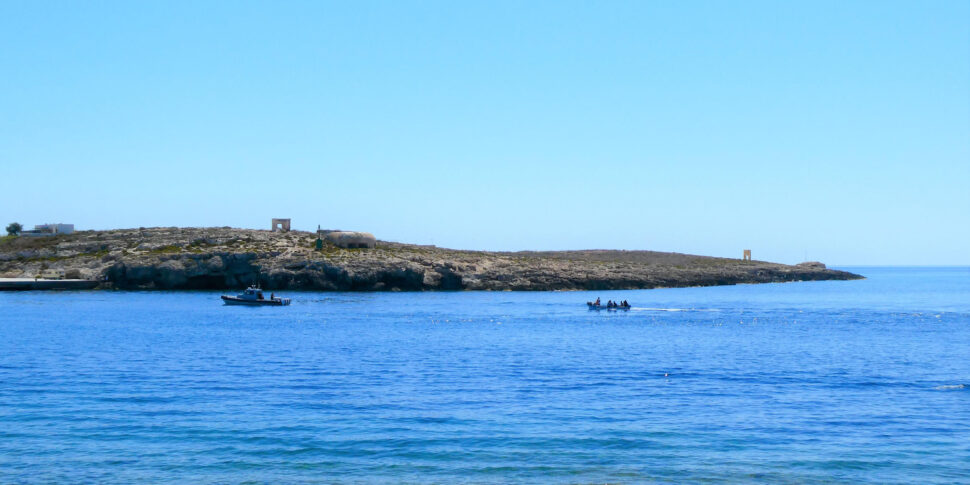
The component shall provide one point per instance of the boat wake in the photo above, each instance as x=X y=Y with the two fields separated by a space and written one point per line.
x=675 y=309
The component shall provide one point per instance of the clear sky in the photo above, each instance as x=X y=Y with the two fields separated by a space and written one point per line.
x=835 y=131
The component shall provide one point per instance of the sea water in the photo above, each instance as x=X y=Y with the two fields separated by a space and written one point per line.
x=816 y=382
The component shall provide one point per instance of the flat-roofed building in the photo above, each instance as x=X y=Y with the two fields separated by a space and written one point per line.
x=49 y=230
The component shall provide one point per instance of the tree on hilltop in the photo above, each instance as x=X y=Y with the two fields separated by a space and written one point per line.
x=14 y=228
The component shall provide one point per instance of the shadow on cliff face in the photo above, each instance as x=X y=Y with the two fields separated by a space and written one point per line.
x=404 y=279
x=174 y=275
x=205 y=282
x=242 y=272
x=450 y=280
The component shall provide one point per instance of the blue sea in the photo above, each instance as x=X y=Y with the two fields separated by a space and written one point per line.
x=818 y=382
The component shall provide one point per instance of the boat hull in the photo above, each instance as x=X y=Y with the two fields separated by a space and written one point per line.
x=232 y=300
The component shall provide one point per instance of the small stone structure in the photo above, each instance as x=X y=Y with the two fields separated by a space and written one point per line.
x=747 y=255
x=281 y=225
x=350 y=239
x=49 y=230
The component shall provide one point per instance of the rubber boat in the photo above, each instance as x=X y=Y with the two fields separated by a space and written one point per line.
x=594 y=306
x=253 y=296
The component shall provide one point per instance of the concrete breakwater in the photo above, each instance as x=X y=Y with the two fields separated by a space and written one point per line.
x=224 y=258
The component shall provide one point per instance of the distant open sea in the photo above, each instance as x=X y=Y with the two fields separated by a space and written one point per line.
x=818 y=382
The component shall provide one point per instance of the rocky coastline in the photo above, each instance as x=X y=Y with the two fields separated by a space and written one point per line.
x=226 y=258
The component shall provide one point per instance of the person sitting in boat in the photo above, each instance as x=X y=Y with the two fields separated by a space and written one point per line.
x=625 y=304
x=271 y=295
x=597 y=301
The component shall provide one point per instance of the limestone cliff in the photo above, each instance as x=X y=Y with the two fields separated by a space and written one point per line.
x=223 y=258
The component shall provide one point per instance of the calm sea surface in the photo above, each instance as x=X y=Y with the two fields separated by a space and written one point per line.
x=859 y=381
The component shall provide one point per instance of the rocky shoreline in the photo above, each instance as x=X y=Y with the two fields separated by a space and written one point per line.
x=225 y=258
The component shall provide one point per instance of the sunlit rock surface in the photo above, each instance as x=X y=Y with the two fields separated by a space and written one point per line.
x=221 y=258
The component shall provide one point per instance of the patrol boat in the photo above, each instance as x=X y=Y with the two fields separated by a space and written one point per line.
x=253 y=296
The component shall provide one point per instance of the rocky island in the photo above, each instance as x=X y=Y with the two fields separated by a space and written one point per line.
x=222 y=258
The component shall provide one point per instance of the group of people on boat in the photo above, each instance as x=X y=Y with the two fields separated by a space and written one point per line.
x=615 y=304
x=610 y=304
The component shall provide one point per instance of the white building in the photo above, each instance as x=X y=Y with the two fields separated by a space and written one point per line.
x=49 y=230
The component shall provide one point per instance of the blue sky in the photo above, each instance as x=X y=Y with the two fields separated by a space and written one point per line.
x=836 y=131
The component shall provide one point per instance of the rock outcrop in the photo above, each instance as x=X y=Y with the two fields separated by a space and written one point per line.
x=224 y=258
x=351 y=239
